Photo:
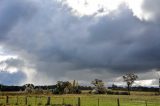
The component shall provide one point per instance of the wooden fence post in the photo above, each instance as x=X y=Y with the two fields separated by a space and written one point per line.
x=63 y=101
x=26 y=100
x=118 y=103
x=17 y=101
x=7 y=100
x=146 y=102
x=98 y=101
x=79 y=101
x=40 y=100
x=48 y=100
x=35 y=100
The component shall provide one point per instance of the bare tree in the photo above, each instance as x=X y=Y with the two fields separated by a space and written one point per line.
x=129 y=79
x=157 y=72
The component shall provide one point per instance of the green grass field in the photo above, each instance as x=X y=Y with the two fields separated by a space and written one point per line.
x=85 y=100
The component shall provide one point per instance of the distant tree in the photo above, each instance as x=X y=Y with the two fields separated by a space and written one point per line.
x=99 y=86
x=75 y=87
x=66 y=87
x=1 y=87
x=114 y=86
x=38 y=90
x=129 y=79
x=29 y=88
x=60 y=86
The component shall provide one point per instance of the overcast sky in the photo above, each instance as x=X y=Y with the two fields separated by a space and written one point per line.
x=43 y=41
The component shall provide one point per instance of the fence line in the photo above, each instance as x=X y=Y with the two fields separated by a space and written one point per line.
x=72 y=101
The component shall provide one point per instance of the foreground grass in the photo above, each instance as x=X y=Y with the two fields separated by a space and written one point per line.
x=85 y=100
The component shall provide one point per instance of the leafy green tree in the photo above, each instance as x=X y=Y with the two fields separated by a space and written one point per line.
x=1 y=87
x=29 y=88
x=65 y=87
x=99 y=86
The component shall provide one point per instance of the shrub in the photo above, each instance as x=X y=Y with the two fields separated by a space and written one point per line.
x=123 y=93
x=117 y=93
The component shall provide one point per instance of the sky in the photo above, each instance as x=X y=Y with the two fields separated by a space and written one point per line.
x=44 y=41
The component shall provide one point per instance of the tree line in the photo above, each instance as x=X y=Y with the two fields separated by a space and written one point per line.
x=66 y=87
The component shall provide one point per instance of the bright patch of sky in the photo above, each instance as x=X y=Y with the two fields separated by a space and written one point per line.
x=4 y=57
x=101 y=7
x=136 y=7
x=149 y=82
x=90 y=7
x=104 y=7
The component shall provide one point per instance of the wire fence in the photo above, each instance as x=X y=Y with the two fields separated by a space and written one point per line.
x=72 y=101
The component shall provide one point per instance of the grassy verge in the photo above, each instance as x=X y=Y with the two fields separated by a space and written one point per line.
x=135 y=99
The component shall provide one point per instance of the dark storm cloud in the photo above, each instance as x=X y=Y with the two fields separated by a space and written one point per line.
x=126 y=43
x=11 y=12
x=48 y=39
x=56 y=43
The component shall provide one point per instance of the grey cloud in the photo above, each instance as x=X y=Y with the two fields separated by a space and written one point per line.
x=126 y=43
x=12 y=78
x=11 y=62
x=11 y=12
x=43 y=40
x=58 y=44
x=152 y=8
